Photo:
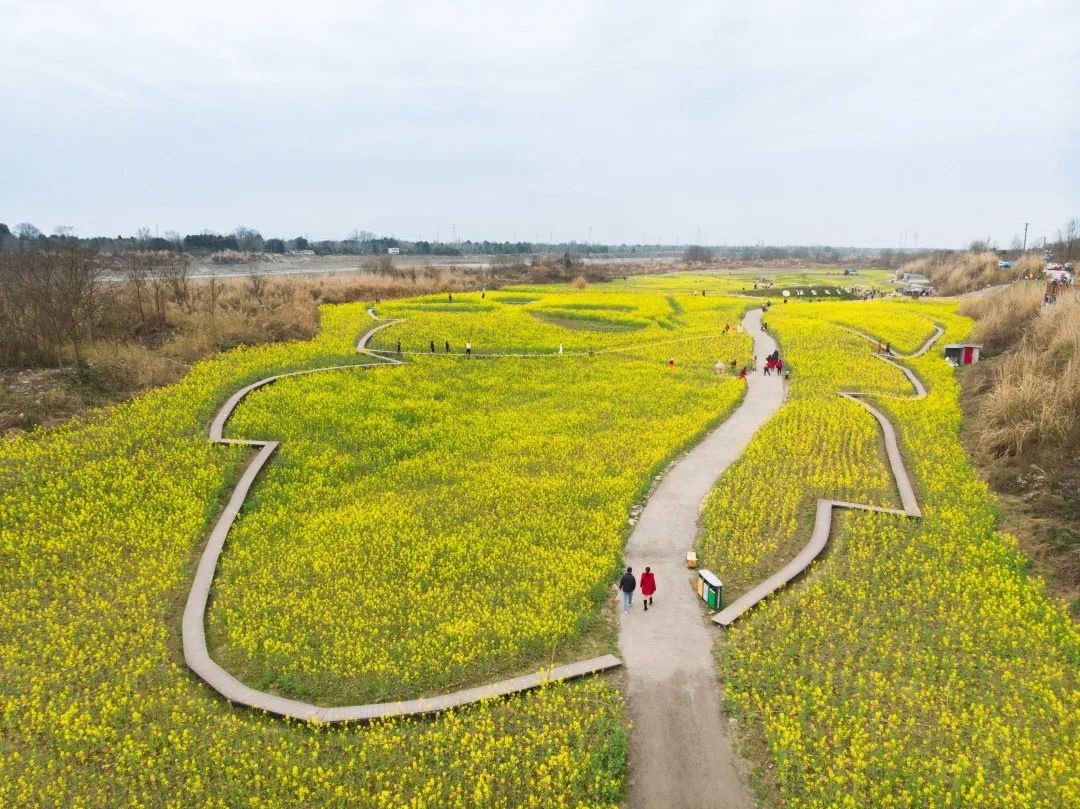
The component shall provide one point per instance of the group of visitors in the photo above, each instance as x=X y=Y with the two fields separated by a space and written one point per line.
x=774 y=363
x=628 y=584
x=431 y=346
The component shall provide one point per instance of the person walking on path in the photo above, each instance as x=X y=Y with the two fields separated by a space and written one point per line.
x=447 y=346
x=468 y=349
x=399 y=346
x=432 y=346
x=753 y=363
x=560 y=349
x=648 y=587
x=627 y=585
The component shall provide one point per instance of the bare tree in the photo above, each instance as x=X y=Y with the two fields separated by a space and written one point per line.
x=25 y=230
x=1068 y=239
x=175 y=274
x=248 y=239
x=696 y=254
x=78 y=273
x=136 y=271
x=257 y=281
x=17 y=314
x=48 y=298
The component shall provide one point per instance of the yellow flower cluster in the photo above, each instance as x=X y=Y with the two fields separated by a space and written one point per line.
x=100 y=521
x=917 y=664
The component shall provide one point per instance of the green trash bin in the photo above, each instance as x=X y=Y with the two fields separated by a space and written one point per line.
x=711 y=589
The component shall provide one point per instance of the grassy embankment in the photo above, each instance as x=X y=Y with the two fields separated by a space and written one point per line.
x=1023 y=423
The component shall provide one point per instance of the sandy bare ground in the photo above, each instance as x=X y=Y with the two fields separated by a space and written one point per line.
x=681 y=753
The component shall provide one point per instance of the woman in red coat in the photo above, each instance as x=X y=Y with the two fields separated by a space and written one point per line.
x=648 y=587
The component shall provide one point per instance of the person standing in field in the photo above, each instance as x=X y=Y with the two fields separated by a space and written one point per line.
x=432 y=346
x=627 y=585
x=447 y=346
x=671 y=364
x=399 y=346
x=648 y=587
x=450 y=297
x=468 y=349
x=560 y=349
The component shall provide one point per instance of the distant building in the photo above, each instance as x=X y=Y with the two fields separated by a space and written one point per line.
x=301 y=252
x=393 y=251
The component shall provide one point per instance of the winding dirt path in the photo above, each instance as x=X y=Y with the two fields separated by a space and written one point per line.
x=680 y=748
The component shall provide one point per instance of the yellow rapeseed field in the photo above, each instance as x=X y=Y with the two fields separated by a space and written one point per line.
x=917 y=664
x=479 y=503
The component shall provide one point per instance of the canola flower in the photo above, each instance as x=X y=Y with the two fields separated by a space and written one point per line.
x=99 y=523
x=917 y=664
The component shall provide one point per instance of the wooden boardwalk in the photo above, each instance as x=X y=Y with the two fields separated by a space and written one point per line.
x=197 y=655
x=819 y=538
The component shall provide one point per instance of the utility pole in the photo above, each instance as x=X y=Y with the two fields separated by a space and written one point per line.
x=1024 y=250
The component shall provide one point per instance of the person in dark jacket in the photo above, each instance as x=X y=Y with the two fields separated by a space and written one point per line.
x=648 y=586
x=627 y=585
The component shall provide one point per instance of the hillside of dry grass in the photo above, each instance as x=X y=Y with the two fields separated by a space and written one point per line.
x=957 y=273
x=1023 y=423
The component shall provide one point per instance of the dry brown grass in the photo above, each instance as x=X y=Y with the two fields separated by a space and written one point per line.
x=1003 y=317
x=956 y=273
x=1023 y=425
x=1034 y=394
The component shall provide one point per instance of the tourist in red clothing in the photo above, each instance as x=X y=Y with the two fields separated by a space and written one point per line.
x=648 y=587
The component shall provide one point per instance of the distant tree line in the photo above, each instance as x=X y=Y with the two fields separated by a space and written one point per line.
x=1065 y=247
x=243 y=239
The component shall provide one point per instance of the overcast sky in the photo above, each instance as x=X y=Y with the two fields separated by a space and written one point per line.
x=864 y=123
